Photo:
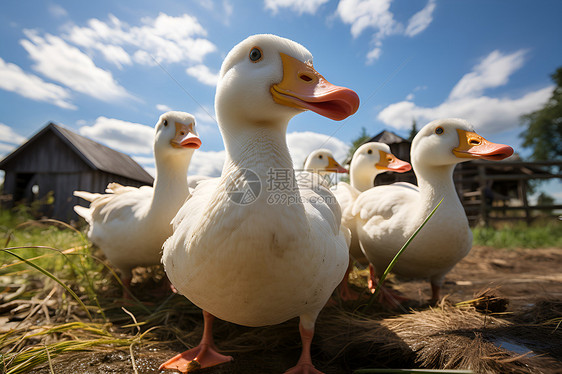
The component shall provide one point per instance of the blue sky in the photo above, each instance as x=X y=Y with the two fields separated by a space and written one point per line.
x=108 y=69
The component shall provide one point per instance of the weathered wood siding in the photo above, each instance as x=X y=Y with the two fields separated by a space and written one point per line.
x=54 y=166
x=50 y=154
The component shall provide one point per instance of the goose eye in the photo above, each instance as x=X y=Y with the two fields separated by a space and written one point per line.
x=439 y=130
x=320 y=157
x=370 y=151
x=165 y=123
x=255 y=54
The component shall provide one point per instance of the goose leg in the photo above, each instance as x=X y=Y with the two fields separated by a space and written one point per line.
x=126 y=278
x=304 y=365
x=203 y=356
x=387 y=296
x=435 y=291
x=345 y=292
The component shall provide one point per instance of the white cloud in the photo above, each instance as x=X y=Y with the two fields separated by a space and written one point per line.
x=14 y=79
x=362 y=14
x=228 y=9
x=115 y=54
x=147 y=163
x=8 y=135
x=163 y=108
x=467 y=99
x=301 y=144
x=493 y=71
x=203 y=74
x=374 y=55
x=376 y=14
x=206 y=115
x=299 y=6
x=57 y=11
x=208 y=163
x=127 y=137
x=6 y=149
x=9 y=139
x=144 y=160
x=166 y=39
x=66 y=64
x=205 y=123
x=421 y=20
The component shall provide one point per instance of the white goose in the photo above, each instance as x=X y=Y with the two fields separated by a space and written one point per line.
x=388 y=215
x=241 y=257
x=130 y=224
x=368 y=161
x=322 y=161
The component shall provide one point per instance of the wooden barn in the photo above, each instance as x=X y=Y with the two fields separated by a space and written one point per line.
x=59 y=161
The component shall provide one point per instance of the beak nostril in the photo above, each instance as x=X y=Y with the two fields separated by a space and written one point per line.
x=475 y=142
x=305 y=77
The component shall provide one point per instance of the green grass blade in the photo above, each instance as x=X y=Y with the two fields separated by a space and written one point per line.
x=393 y=262
x=53 y=277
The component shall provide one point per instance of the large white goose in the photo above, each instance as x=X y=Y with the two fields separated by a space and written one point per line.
x=368 y=161
x=243 y=256
x=388 y=215
x=130 y=224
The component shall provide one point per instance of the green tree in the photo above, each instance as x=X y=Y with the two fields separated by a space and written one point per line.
x=544 y=126
x=544 y=199
x=413 y=130
x=356 y=143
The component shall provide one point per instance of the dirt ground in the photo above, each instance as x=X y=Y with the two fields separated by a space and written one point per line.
x=520 y=280
x=519 y=275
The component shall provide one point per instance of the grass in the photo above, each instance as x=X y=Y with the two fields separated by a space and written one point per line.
x=58 y=296
x=48 y=276
x=547 y=234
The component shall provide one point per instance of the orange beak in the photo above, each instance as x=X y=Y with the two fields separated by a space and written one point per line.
x=472 y=145
x=185 y=138
x=304 y=88
x=389 y=162
x=335 y=167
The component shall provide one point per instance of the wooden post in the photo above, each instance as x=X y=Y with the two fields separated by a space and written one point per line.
x=523 y=189
x=482 y=186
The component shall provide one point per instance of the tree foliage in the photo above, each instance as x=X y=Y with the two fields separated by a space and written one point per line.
x=544 y=126
x=356 y=143
x=413 y=130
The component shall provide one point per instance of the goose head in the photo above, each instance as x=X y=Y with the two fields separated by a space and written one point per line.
x=176 y=136
x=265 y=80
x=322 y=161
x=371 y=159
x=451 y=141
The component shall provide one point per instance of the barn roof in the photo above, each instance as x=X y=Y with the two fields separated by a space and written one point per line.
x=388 y=138
x=95 y=155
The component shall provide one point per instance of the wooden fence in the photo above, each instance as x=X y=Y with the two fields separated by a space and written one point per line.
x=492 y=191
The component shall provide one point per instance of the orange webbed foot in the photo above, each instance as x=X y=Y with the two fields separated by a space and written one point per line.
x=200 y=357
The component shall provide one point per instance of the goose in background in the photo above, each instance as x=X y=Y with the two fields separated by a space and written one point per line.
x=388 y=215
x=368 y=161
x=130 y=224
